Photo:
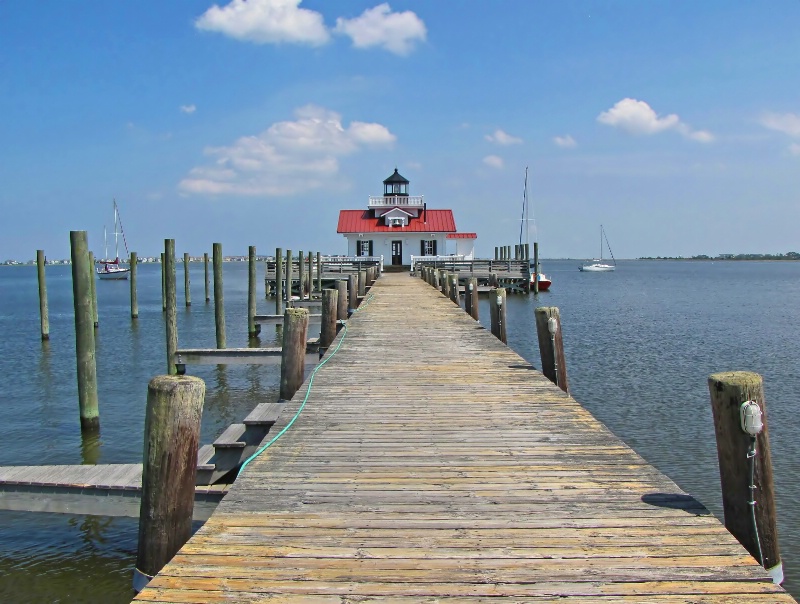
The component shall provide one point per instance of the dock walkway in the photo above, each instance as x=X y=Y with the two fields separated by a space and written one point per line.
x=433 y=464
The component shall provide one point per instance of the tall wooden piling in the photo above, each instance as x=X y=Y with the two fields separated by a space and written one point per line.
x=205 y=269
x=93 y=287
x=84 y=331
x=134 y=292
x=341 y=300
x=301 y=274
x=219 y=296
x=163 y=286
x=330 y=299
x=535 y=267
x=44 y=316
x=171 y=437
x=187 y=289
x=745 y=467
x=454 y=293
x=445 y=281
x=352 y=293
x=362 y=282
x=171 y=295
x=310 y=273
x=278 y=281
x=293 y=352
x=472 y=292
x=551 y=346
x=252 y=328
x=497 y=306
x=319 y=271
x=289 y=276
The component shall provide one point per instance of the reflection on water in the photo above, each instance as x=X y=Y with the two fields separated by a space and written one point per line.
x=640 y=344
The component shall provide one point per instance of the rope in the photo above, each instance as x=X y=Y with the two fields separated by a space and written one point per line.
x=751 y=456
x=308 y=392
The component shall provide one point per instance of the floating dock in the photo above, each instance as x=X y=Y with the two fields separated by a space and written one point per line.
x=430 y=463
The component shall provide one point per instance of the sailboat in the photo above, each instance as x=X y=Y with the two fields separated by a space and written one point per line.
x=600 y=266
x=111 y=270
x=544 y=282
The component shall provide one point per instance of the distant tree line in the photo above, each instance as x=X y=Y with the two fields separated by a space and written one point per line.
x=786 y=256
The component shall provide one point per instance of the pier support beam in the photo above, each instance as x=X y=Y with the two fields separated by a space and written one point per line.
x=352 y=293
x=171 y=436
x=205 y=269
x=551 y=346
x=749 y=507
x=93 y=289
x=278 y=281
x=187 y=288
x=252 y=328
x=341 y=300
x=330 y=298
x=171 y=297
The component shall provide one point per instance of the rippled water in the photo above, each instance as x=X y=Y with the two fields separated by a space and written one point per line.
x=640 y=345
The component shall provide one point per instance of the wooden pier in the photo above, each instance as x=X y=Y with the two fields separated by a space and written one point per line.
x=431 y=463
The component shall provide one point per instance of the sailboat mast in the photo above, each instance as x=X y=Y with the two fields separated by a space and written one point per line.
x=116 y=233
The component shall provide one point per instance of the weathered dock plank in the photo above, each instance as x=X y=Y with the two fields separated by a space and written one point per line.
x=432 y=464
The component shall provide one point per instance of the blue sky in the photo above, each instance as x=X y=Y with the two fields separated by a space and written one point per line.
x=675 y=124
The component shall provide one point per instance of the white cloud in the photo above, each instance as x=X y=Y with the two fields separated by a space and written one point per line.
x=500 y=137
x=188 y=109
x=494 y=161
x=565 y=142
x=287 y=158
x=266 y=21
x=637 y=117
x=788 y=123
x=378 y=26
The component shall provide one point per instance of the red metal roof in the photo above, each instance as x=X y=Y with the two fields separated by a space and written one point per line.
x=462 y=236
x=430 y=221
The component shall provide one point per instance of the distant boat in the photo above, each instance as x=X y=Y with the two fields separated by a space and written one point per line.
x=599 y=266
x=111 y=270
x=535 y=275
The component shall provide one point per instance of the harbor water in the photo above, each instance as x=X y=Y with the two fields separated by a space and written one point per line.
x=640 y=344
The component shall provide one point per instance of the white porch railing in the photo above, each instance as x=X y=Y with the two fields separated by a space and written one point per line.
x=380 y=202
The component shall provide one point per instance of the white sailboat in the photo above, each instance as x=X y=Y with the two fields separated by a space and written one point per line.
x=111 y=270
x=544 y=282
x=599 y=266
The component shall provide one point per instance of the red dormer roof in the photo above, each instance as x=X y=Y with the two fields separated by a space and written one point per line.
x=429 y=221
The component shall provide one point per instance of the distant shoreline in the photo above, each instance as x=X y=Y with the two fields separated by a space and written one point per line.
x=729 y=257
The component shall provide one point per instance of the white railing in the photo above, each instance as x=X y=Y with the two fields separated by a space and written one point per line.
x=393 y=200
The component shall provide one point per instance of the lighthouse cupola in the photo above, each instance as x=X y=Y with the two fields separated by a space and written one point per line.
x=395 y=186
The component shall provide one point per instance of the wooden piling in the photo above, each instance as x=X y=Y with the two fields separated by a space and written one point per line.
x=219 y=296
x=341 y=300
x=301 y=275
x=289 y=276
x=535 y=267
x=472 y=292
x=352 y=293
x=163 y=286
x=205 y=268
x=454 y=293
x=93 y=286
x=735 y=451
x=84 y=331
x=134 y=294
x=497 y=306
x=252 y=329
x=319 y=271
x=362 y=282
x=171 y=438
x=187 y=290
x=44 y=316
x=278 y=281
x=171 y=296
x=444 y=279
x=293 y=352
x=330 y=302
x=310 y=277
x=551 y=346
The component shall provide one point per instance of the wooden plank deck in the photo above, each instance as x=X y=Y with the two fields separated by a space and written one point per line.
x=433 y=464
